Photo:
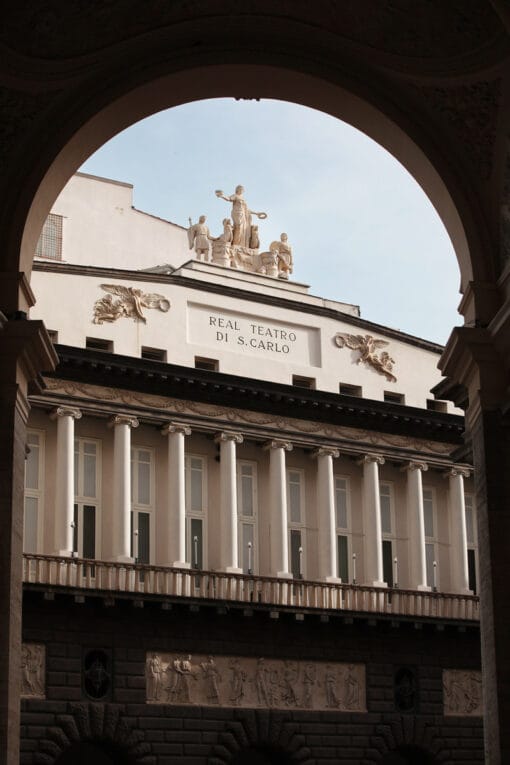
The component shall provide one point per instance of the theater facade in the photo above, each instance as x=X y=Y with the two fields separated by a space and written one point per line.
x=250 y=526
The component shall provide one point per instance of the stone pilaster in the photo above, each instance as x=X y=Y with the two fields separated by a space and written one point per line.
x=229 y=560
x=458 y=550
x=416 y=521
x=328 y=557
x=372 y=520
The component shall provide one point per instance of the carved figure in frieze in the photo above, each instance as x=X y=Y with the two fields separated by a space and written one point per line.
x=130 y=304
x=330 y=680
x=32 y=669
x=154 y=670
x=462 y=692
x=241 y=215
x=368 y=347
x=212 y=677
x=309 y=680
x=351 y=689
x=283 y=252
x=275 y=686
x=261 y=684
x=184 y=671
x=290 y=678
x=237 y=681
x=199 y=237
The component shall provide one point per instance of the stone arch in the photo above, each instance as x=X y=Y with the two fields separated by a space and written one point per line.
x=85 y=727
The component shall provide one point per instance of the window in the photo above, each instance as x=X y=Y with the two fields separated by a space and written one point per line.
x=87 y=522
x=196 y=511
x=50 y=241
x=430 y=523
x=303 y=382
x=247 y=514
x=343 y=526
x=33 y=492
x=437 y=406
x=388 y=531
x=295 y=512
x=350 y=390
x=472 y=541
x=153 y=354
x=394 y=398
x=209 y=365
x=98 y=344
x=142 y=504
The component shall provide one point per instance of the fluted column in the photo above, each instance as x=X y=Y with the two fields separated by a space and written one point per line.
x=172 y=523
x=326 y=518
x=64 y=479
x=229 y=560
x=417 y=556
x=372 y=520
x=121 y=515
x=458 y=550
x=279 y=546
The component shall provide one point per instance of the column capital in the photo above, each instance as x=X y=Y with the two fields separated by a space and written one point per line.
x=278 y=444
x=65 y=411
x=123 y=419
x=228 y=435
x=367 y=458
x=456 y=470
x=414 y=465
x=175 y=427
x=326 y=451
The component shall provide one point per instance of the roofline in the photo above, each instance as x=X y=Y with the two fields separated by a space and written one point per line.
x=104 y=180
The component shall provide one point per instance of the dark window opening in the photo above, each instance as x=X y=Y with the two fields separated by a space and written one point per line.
x=437 y=406
x=394 y=398
x=153 y=354
x=97 y=344
x=303 y=382
x=209 y=365
x=350 y=390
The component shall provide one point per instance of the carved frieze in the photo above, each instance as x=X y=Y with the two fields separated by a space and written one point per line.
x=288 y=425
x=462 y=693
x=234 y=681
x=368 y=347
x=33 y=670
x=131 y=301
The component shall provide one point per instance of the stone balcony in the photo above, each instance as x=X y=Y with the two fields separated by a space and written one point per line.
x=111 y=580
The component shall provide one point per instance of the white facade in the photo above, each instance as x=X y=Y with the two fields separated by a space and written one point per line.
x=181 y=481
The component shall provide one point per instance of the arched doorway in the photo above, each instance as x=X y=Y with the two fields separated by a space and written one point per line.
x=87 y=752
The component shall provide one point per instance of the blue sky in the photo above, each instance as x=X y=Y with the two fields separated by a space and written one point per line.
x=361 y=229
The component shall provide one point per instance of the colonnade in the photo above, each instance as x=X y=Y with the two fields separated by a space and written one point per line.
x=172 y=524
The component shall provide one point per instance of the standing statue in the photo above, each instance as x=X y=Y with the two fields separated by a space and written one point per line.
x=283 y=252
x=228 y=232
x=241 y=215
x=198 y=235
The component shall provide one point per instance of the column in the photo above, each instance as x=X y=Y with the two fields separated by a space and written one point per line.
x=372 y=520
x=64 y=486
x=279 y=545
x=458 y=550
x=326 y=514
x=121 y=515
x=172 y=523
x=417 y=558
x=229 y=556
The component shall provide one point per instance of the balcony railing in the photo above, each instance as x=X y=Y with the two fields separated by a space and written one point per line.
x=136 y=579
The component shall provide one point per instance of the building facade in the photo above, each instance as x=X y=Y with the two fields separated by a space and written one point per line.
x=250 y=528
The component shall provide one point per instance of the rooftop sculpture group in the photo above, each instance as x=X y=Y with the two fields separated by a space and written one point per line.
x=239 y=245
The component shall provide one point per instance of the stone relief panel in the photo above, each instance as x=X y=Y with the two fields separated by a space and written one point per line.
x=33 y=670
x=462 y=693
x=234 y=681
x=368 y=348
x=130 y=304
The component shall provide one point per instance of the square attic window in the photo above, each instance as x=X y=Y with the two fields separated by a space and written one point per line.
x=303 y=382
x=394 y=398
x=98 y=344
x=350 y=390
x=437 y=406
x=153 y=354
x=209 y=365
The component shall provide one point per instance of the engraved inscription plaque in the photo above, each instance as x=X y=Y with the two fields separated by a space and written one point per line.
x=235 y=681
x=462 y=692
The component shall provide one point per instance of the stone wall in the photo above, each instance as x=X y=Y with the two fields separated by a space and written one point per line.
x=95 y=685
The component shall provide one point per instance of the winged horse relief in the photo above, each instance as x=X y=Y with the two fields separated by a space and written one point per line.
x=129 y=305
x=368 y=347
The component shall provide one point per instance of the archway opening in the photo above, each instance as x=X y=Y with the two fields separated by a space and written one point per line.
x=99 y=753
x=408 y=755
x=261 y=755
